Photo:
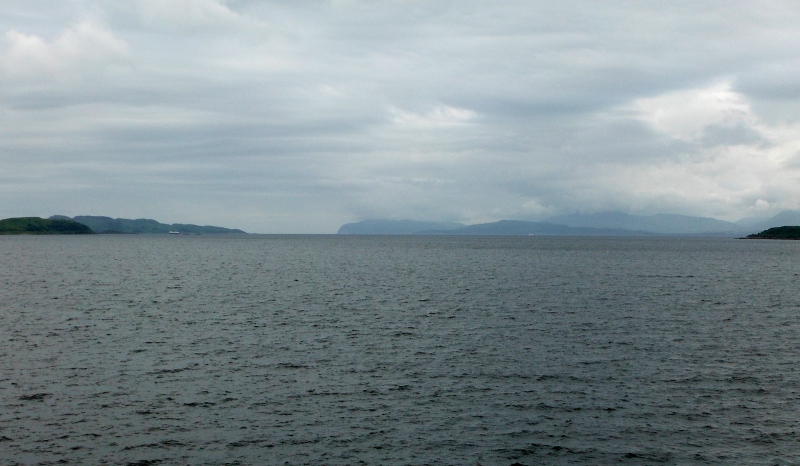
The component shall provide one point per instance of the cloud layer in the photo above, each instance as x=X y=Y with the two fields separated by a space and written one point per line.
x=301 y=116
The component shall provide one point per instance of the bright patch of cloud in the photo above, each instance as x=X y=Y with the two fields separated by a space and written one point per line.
x=684 y=115
x=73 y=51
x=440 y=117
x=748 y=167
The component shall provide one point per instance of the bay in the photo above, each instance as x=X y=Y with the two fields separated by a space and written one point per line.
x=137 y=349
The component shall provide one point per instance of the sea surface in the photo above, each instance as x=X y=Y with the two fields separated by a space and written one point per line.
x=146 y=349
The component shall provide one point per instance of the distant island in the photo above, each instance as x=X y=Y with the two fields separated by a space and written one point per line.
x=609 y=223
x=784 y=232
x=108 y=225
x=41 y=226
x=501 y=228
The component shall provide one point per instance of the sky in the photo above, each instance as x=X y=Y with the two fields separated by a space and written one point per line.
x=299 y=116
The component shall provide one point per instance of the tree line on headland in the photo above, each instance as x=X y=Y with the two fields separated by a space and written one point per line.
x=87 y=224
x=41 y=226
x=784 y=232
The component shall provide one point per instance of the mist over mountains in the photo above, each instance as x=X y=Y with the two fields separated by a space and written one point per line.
x=787 y=217
x=596 y=224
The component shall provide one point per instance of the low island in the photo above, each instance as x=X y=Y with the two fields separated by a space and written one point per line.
x=784 y=232
x=41 y=226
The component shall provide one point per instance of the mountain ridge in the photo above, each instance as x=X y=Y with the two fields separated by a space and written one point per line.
x=106 y=225
x=610 y=223
x=523 y=228
x=667 y=224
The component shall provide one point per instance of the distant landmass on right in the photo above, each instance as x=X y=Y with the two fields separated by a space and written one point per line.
x=595 y=224
x=784 y=232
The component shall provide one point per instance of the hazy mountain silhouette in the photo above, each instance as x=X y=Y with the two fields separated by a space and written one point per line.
x=612 y=223
x=665 y=224
x=522 y=228
x=393 y=227
x=785 y=218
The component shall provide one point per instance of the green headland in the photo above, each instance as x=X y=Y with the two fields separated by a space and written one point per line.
x=102 y=225
x=785 y=232
x=41 y=226
x=88 y=224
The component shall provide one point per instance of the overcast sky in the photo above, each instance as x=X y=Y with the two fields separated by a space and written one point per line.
x=299 y=116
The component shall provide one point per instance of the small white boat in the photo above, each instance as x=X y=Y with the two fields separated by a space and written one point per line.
x=174 y=232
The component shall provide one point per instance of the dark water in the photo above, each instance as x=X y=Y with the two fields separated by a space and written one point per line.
x=398 y=350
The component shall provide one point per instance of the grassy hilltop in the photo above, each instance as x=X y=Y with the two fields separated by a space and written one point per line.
x=41 y=226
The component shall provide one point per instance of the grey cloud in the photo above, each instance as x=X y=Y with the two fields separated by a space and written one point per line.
x=300 y=116
x=719 y=135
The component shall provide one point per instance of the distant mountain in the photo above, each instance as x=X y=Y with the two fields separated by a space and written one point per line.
x=143 y=225
x=521 y=228
x=785 y=218
x=394 y=227
x=40 y=226
x=665 y=224
x=748 y=222
x=597 y=224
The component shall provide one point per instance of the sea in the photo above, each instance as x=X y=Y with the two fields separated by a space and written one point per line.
x=395 y=350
